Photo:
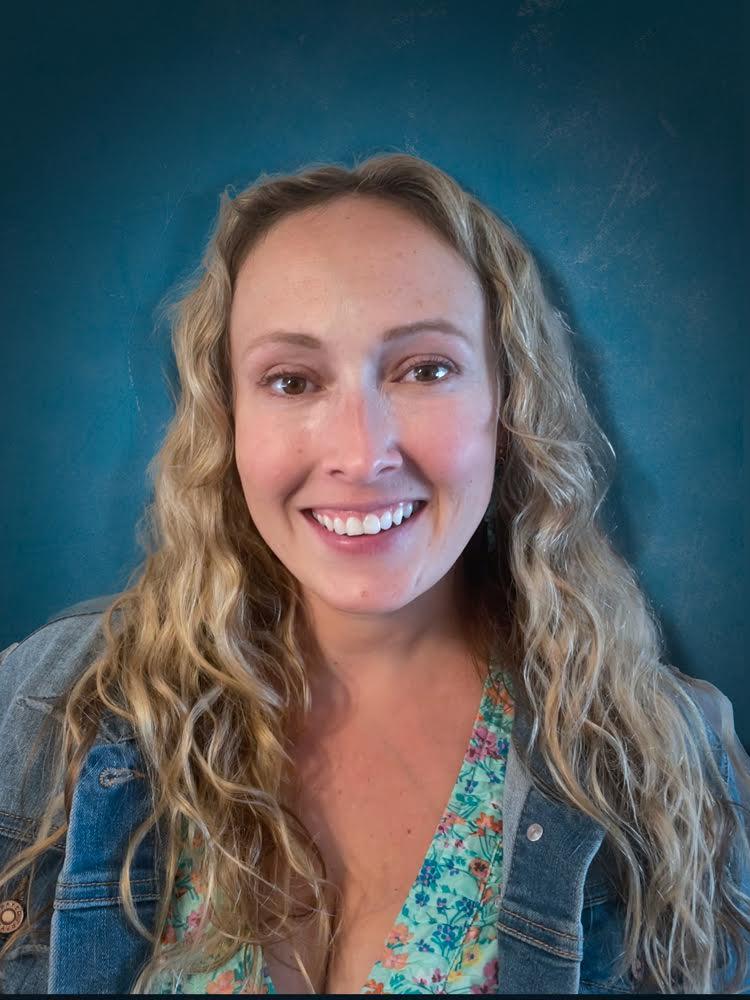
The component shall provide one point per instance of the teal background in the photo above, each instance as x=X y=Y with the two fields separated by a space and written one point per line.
x=611 y=135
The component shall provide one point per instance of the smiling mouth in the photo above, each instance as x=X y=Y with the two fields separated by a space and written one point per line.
x=418 y=508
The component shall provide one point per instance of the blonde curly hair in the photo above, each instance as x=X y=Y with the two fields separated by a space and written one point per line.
x=205 y=651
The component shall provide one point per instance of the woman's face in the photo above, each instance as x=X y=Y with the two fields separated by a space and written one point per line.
x=360 y=418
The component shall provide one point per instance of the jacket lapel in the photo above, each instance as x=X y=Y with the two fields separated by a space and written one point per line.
x=548 y=848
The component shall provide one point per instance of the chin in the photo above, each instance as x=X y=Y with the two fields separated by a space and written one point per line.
x=365 y=601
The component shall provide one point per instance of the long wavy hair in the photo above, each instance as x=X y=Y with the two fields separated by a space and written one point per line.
x=205 y=652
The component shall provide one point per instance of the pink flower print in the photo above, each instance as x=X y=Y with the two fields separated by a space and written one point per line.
x=487 y=894
x=449 y=820
x=489 y=985
x=371 y=986
x=499 y=695
x=223 y=983
x=490 y=971
x=437 y=976
x=472 y=934
x=394 y=960
x=479 y=868
x=486 y=745
x=170 y=935
x=485 y=820
x=399 y=935
x=193 y=920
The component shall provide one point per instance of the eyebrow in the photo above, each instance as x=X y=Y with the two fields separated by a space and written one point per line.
x=393 y=333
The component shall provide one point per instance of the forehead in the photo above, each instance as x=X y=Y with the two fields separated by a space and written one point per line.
x=357 y=254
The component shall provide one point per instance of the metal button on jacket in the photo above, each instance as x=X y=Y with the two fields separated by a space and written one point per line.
x=11 y=916
x=534 y=831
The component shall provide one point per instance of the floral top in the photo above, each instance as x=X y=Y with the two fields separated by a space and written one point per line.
x=444 y=939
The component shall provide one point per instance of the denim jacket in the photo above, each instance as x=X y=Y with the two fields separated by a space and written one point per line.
x=560 y=919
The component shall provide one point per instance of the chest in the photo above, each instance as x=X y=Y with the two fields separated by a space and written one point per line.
x=372 y=802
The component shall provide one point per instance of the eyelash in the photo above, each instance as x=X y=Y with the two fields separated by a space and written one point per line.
x=424 y=363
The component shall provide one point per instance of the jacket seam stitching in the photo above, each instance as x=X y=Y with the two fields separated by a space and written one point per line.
x=15 y=835
x=7 y=812
x=71 y=904
x=541 y=927
x=88 y=885
x=559 y=952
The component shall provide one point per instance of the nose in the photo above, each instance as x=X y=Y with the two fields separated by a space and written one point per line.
x=363 y=434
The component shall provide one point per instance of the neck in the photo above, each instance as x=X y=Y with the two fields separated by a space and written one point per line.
x=368 y=654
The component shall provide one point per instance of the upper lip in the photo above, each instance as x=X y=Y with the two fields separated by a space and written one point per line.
x=364 y=508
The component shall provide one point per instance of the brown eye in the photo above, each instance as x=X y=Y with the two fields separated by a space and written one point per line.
x=428 y=363
x=287 y=377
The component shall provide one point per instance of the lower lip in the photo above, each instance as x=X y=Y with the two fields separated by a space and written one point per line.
x=367 y=544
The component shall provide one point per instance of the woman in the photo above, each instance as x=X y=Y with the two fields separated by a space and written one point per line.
x=383 y=711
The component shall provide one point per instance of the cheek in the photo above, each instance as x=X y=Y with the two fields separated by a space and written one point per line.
x=458 y=452
x=265 y=463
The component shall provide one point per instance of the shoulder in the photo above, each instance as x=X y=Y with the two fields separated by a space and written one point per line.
x=717 y=713
x=45 y=662
x=733 y=763
x=35 y=673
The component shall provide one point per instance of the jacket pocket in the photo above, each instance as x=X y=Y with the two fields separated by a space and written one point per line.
x=95 y=948
x=602 y=918
x=24 y=969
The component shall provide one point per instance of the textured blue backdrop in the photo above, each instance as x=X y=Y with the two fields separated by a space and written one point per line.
x=610 y=135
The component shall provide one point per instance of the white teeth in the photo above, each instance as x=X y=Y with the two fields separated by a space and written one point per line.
x=370 y=525
x=387 y=519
